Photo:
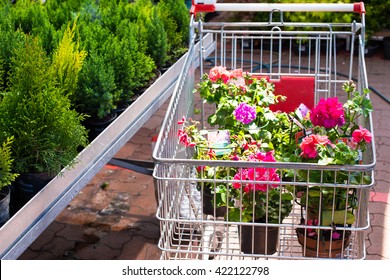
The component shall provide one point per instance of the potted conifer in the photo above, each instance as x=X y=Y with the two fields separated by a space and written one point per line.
x=7 y=176
x=47 y=132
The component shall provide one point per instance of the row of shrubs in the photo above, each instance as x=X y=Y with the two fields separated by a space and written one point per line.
x=63 y=62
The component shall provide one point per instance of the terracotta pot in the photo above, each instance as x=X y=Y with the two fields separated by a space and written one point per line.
x=322 y=248
x=258 y=239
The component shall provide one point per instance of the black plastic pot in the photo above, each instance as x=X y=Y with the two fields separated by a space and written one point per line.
x=96 y=126
x=26 y=186
x=386 y=47
x=5 y=194
x=370 y=49
x=208 y=206
x=259 y=239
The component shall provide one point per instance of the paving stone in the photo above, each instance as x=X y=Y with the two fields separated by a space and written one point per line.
x=380 y=208
x=380 y=220
x=380 y=245
x=47 y=236
x=140 y=248
x=95 y=252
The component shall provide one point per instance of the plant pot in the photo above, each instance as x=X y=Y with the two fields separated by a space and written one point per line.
x=258 y=239
x=26 y=186
x=5 y=194
x=208 y=206
x=121 y=107
x=371 y=49
x=96 y=126
x=322 y=248
x=386 y=47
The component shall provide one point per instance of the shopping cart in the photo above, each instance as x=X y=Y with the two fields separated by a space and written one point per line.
x=306 y=61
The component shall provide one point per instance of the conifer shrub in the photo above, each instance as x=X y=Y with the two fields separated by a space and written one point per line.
x=31 y=18
x=176 y=19
x=151 y=31
x=96 y=92
x=67 y=62
x=7 y=175
x=47 y=132
x=62 y=12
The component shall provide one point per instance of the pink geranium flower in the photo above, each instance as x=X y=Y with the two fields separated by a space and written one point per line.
x=257 y=174
x=183 y=137
x=236 y=73
x=361 y=134
x=328 y=113
x=309 y=145
x=219 y=73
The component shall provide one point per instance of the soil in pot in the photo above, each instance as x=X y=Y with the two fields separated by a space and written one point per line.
x=258 y=239
x=5 y=194
x=322 y=248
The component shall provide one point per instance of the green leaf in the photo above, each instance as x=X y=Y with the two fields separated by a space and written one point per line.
x=340 y=217
x=325 y=161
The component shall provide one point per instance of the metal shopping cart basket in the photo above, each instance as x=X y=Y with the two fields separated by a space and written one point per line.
x=305 y=61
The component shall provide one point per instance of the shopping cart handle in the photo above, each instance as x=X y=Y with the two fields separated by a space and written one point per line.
x=207 y=6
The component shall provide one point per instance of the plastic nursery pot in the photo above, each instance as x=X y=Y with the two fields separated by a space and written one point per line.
x=386 y=47
x=208 y=205
x=5 y=194
x=26 y=186
x=258 y=239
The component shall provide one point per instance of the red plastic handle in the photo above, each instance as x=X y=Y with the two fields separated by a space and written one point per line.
x=203 y=8
x=357 y=7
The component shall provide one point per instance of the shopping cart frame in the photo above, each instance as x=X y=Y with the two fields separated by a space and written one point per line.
x=194 y=235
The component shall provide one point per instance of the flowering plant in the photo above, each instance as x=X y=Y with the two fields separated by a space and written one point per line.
x=332 y=135
x=243 y=106
x=327 y=134
x=250 y=194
